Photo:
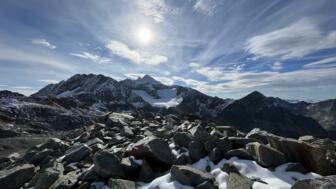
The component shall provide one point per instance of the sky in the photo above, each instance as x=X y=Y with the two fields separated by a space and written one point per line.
x=225 y=48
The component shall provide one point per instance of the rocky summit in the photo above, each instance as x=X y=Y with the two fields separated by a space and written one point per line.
x=93 y=132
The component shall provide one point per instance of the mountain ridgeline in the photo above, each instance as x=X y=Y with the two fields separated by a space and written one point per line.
x=76 y=102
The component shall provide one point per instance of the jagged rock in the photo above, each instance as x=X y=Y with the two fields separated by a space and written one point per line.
x=121 y=184
x=118 y=119
x=128 y=131
x=240 y=153
x=196 y=151
x=224 y=131
x=328 y=182
x=306 y=138
x=47 y=178
x=215 y=155
x=265 y=155
x=236 y=181
x=153 y=149
x=189 y=176
x=182 y=139
x=15 y=177
x=296 y=167
x=229 y=168
x=35 y=157
x=200 y=134
x=53 y=143
x=258 y=135
x=77 y=153
x=106 y=165
x=94 y=141
x=313 y=158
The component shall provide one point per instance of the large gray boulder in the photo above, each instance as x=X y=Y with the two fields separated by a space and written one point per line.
x=153 y=149
x=313 y=157
x=107 y=164
x=237 y=181
x=240 y=153
x=15 y=177
x=265 y=155
x=189 y=176
x=258 y=134
x=77 y=153
x=328 y=182
x=118 y=119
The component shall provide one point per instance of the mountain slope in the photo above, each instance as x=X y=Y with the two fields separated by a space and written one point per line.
x=257 y=111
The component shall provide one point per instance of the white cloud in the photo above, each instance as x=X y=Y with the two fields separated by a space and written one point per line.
x=276 y=66
x=194 y=65
x=48 y=81
x=134 y=75
x=164 y=80
x=1 y=85
x=43 y=42
x=157 y=9
x=207 y=7
x=95 y=58
x=294 y=41
x=327 y=62
x=120 y=49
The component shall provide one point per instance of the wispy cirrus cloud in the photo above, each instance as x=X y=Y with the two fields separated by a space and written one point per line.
x=122 y=50
x=157 y=9
x=207 y=7
x=294 y=41
x=326 y=62
x=93 y=57
x=48 y=81
x=43 y=42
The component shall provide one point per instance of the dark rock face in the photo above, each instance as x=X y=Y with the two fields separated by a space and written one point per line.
x=189 y=176
x=265 y=155
x=15 y=177
x=268 y=114
x=328 y=182
x=106 y=165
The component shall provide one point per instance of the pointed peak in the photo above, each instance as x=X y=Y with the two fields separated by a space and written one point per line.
x=255 y=95
x=147 y=79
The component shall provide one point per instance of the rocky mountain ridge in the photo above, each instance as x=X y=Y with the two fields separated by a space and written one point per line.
x=80 y=99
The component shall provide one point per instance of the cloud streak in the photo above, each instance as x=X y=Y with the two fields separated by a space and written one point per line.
x=43 y=42
x=93 y=57
x=294 y=41
x=122 y=50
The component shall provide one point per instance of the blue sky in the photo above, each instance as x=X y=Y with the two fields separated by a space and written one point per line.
x=226 y=48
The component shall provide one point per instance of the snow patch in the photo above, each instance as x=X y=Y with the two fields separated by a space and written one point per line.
x=168 y=98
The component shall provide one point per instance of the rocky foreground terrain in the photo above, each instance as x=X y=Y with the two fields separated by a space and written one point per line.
x=146 y=150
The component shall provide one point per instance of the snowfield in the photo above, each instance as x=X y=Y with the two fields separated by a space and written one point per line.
x=278 y=179
x=168 y=98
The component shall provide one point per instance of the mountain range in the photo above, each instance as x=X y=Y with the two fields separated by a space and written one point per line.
x=79 y=100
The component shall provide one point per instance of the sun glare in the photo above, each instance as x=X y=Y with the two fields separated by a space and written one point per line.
x=144 y=35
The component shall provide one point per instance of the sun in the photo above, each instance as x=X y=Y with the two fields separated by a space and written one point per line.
x=144 y=35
